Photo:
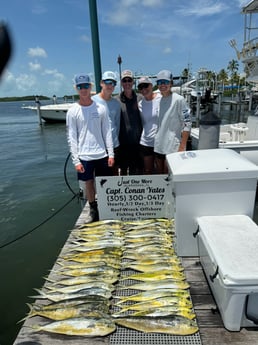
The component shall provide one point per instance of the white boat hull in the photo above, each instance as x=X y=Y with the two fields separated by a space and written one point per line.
x=242 y=138
x=52 y=112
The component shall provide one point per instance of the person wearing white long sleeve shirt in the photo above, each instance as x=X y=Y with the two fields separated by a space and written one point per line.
x=108 y=83
x=90 y=140
x=174 y=122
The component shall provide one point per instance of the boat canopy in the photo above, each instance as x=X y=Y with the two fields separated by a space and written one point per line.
x=251 y=7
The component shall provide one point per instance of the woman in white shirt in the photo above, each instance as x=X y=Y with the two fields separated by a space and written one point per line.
x=149 y=110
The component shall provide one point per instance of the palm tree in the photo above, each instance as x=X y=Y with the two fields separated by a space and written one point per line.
x=186 y=74
x=233 y=66
x=222 y=77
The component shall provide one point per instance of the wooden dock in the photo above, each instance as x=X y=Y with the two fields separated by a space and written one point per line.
x=211 y=329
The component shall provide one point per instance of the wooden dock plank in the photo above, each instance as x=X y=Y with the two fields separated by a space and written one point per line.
x=211 y=327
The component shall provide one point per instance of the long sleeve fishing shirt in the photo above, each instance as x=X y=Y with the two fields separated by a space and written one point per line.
x=174 y=118
x=89 y=132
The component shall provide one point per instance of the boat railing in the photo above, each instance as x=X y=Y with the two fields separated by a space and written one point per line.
x=249 y=48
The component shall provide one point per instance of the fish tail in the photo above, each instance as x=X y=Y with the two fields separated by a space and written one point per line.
x=49 y=279
x=30 y=313
x=41 y=294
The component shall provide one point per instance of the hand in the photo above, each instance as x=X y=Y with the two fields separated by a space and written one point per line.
x=181 y=148
x=80 y=168
x=111 y=162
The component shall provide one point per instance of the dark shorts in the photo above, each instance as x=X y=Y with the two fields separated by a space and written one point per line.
x=130 y=157
x=116 y=154
x=98 y=167
x=147 y=150
x=160 y=156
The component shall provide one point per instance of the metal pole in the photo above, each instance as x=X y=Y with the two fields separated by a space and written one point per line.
x=198 y=108
x=219 y=103
x=95 y=42
x=250 y=101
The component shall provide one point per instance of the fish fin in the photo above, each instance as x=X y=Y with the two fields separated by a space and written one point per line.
x=30 y=313
x=48 y=279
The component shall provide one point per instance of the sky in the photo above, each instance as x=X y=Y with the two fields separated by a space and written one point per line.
x=51 y=40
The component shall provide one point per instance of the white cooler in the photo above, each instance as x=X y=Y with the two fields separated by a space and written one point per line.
x=209 y=183
x=228 y=250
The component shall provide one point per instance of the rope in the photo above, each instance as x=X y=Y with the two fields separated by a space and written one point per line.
x=75 y=195
x=39 y=225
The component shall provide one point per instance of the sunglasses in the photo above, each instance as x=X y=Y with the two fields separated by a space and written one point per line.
x=109 y=82
x=127 y=80
x=83 y=86
x=163 y=81
x=143 y=86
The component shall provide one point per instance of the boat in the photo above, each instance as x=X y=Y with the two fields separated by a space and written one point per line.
x=200 y=91
x=51 y=112
x=248 y=54
x=241 y=137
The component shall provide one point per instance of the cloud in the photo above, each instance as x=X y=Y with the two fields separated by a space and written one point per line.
x=123 y=11
x=34 y=66
x=54 y=73
x=167 y=50
x=85 y=38
x=37 y=52
x=38 y=9
x=152 y=3
x=200 y=8
x=25 y=82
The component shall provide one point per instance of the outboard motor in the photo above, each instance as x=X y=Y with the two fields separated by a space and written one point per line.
x=209 y=129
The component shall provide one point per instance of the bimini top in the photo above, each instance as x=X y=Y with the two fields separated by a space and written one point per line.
x=251 y=7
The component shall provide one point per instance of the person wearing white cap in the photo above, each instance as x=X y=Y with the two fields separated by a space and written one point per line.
x=108 y=83
x=149 y=109
x=130 y=159
x=90 y=140
x=174 y=123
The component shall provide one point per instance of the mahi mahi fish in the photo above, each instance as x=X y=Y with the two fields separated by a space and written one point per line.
x=155 y=276
x=80 y=310
x=162 y=284
x=159 y=302
x=55 y=297
x=90 y=327
x=171 y=325
x=168 y=310
x=152 y=294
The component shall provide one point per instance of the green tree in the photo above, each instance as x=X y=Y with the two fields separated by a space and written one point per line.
x=186 y=73
x=233 y=66
x=222 y=77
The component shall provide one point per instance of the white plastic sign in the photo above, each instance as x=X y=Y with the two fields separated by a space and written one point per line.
x=135 y=197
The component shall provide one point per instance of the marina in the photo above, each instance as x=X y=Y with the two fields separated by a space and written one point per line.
x=40 y=215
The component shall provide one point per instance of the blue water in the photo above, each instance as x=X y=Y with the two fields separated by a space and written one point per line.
x=32 y=189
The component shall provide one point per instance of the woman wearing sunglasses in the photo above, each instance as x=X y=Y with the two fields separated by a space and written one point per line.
x=149 y=109
x=174 y=122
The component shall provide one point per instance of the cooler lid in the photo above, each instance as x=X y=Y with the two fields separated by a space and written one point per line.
x=232 y=242
x=212 y=164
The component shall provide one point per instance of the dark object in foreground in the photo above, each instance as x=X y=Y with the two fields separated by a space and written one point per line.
x=5 y=46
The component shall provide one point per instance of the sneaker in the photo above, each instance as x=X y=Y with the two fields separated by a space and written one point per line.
x=94 y=213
